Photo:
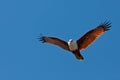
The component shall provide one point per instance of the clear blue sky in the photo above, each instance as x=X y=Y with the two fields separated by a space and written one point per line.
x=23 y=57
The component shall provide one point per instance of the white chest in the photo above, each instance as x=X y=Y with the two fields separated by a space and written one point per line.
x=72 y=46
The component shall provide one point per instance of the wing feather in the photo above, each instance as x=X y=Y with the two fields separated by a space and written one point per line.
x=91 y=35
x=55 y=41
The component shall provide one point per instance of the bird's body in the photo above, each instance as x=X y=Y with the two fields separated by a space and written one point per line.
x=82 y=43
x=73 y=47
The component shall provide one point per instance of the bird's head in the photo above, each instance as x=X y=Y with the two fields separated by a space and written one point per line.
x=70 y=40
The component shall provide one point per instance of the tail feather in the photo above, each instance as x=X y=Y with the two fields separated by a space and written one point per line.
x=78 y=55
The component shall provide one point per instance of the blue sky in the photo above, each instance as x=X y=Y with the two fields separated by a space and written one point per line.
x=23 y=57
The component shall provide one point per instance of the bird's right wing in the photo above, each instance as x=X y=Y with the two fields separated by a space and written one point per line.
x=92 y=35
x=55 y=41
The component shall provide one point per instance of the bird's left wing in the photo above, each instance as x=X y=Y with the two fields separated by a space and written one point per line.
x=91 y=35
x=55 y=41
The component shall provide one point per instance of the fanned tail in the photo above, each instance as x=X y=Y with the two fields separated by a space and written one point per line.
x=78 y=55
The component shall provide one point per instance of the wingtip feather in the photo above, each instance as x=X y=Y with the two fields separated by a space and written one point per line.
x=106 y=25
x=42 y=39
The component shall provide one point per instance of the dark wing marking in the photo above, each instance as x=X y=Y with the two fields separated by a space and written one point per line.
x=91 y=35
x=55 y=41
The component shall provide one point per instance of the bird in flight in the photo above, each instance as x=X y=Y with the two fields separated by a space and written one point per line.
x=82 y=43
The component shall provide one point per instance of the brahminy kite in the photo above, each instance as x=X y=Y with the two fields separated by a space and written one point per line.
x=80 y=44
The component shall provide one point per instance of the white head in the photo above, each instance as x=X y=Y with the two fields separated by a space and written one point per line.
x=70 y=40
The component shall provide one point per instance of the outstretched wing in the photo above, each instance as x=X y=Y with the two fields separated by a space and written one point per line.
x=91 y=35
x=55 y=41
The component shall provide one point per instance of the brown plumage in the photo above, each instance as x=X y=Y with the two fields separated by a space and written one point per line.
x=82 y=43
